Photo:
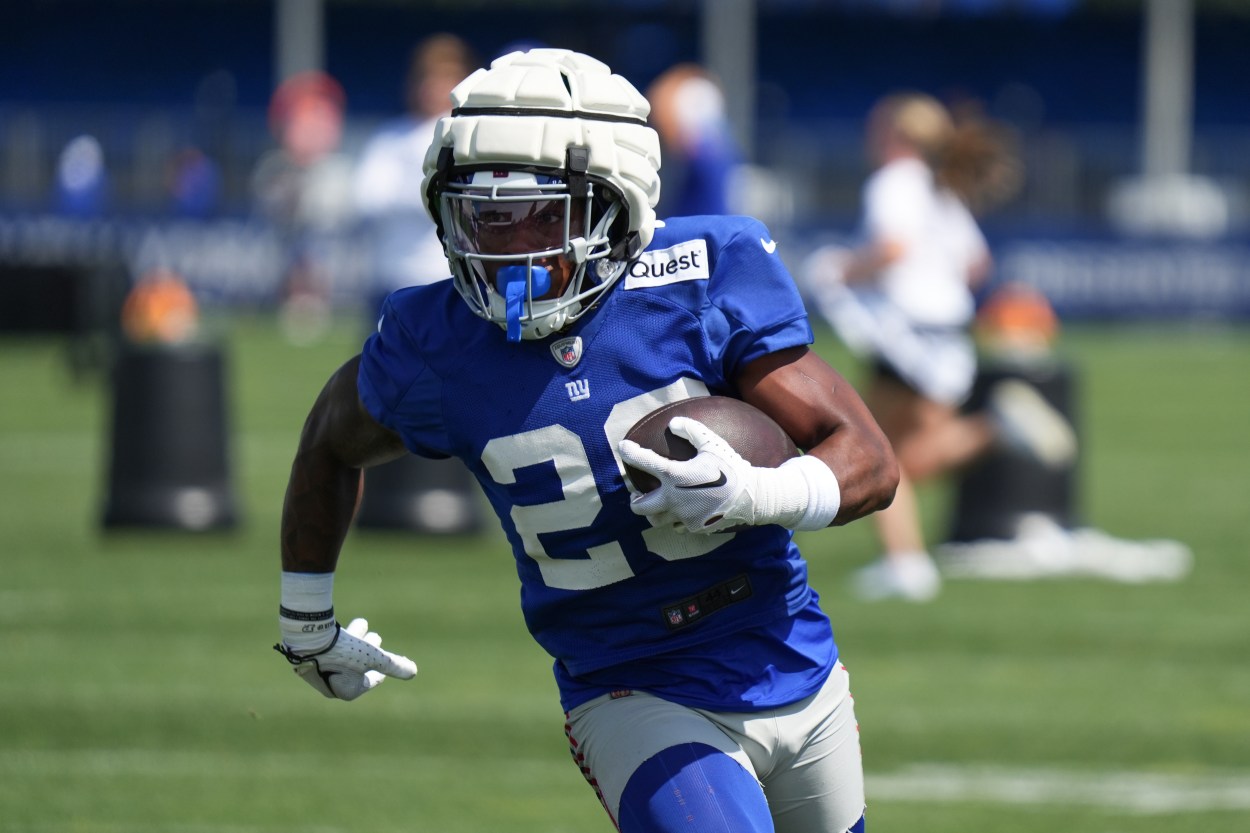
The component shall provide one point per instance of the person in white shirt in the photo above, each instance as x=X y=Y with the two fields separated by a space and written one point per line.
x=387 y=187
x=405 y=250
x=905 y=298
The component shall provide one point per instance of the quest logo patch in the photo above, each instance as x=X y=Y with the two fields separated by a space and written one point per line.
x=683 y=262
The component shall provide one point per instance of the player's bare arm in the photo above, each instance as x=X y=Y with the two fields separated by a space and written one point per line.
x=866 y=262
x=719 y=490
x=825 y=416
x=339 y=440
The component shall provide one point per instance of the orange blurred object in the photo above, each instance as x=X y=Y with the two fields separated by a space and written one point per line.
x=1017 y=317
x=160 y=308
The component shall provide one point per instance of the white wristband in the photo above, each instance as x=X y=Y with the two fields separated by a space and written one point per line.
x=824 y=494
x=306 y=615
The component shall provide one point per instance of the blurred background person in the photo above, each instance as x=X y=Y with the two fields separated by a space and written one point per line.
x=700 y=154
x=413 y=493
x=905 y=299
x=193 y=183
x=303 y=187
x=82 y=182
x=387 y=182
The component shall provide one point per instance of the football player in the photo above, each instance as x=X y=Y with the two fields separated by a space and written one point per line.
x=701 y=684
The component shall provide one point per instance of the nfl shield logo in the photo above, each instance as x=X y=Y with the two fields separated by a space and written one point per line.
x=675 y=616
x=568 y=351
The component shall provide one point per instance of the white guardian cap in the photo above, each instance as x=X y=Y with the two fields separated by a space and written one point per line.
x=543 y=183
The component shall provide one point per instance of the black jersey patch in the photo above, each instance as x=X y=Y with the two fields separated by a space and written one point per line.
x=695 y=608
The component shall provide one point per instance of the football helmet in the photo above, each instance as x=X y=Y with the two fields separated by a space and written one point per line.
x=542 y=182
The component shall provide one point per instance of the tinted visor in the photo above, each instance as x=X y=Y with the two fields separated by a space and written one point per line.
x=511 y=225
x=509 y=213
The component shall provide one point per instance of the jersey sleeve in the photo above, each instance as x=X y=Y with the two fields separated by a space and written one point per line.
x=398 y=388
x=759 y=309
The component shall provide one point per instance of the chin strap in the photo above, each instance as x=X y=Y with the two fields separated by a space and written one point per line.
x=514 y=282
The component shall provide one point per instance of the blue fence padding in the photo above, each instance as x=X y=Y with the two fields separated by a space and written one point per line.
x=1126 y=279
x=240 y=262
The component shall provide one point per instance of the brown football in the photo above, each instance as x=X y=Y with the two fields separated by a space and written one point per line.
x=750 y=431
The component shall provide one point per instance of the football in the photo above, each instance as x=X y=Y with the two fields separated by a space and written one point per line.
x=750 y=431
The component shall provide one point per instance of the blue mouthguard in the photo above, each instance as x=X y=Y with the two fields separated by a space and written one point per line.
x=513 y=282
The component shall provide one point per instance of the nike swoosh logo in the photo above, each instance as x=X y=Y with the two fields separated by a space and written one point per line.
x=720 y=481
x=770 y=246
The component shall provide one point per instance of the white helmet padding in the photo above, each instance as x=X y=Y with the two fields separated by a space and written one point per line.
x=529 y=108
x=561 y=113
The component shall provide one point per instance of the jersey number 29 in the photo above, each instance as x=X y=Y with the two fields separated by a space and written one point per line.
x=581 y=503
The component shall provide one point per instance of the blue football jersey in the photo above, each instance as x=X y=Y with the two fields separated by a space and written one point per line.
x=617 y=602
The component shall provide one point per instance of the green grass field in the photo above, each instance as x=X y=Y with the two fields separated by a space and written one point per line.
x=139 y=693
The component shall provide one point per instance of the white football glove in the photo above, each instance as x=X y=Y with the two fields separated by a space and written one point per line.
x=351 y=664
x=719 y=491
